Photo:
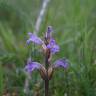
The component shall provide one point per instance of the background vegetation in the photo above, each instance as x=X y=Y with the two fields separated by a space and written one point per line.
x=74 y=24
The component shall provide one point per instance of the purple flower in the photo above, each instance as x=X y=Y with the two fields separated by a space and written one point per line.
x=53 y=46
x=51 y=43
x=61 y=63
x=55 y=49
x=31 y=66
x=33 y=38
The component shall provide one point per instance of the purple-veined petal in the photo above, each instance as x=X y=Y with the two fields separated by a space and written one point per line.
x=61 y=63
x=53 y=46
x=31 y=66
x=55 y=49
x=35 y=39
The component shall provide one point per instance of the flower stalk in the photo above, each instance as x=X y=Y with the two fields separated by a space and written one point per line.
x=50 y=47
x=47 y=80
x=46 y=87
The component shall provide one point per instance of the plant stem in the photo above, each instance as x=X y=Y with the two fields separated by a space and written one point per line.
x=46 y=81
x=47 y=87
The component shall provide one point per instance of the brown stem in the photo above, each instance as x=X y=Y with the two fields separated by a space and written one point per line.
x=47 y=80
x=47 y=87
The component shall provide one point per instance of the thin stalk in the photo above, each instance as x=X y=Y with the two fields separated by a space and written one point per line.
x=47 y=87
x=46 y=81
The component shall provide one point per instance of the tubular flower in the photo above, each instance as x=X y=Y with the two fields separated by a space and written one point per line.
x=31 y=66
x=53 y=46
x=34 y=38
x=61 y=63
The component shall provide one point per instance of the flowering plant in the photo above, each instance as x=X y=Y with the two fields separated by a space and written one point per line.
x=49 y=47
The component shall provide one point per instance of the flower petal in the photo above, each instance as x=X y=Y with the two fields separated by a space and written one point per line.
x=61 y=63
x=33 y=38
x=55 y=49
x=51 y=43
x=31 y=67
x=53 y=46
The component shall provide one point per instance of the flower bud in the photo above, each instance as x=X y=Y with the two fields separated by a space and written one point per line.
x=50 y=73
x=49 y=32
x=43 y=72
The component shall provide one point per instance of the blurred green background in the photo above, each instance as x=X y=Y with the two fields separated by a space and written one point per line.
x=74 y=24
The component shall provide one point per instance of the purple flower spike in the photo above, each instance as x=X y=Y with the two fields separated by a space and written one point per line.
x=61 y=63
x=49 y=31
x=53 y=46
x=31 y=66
x=33 y=38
